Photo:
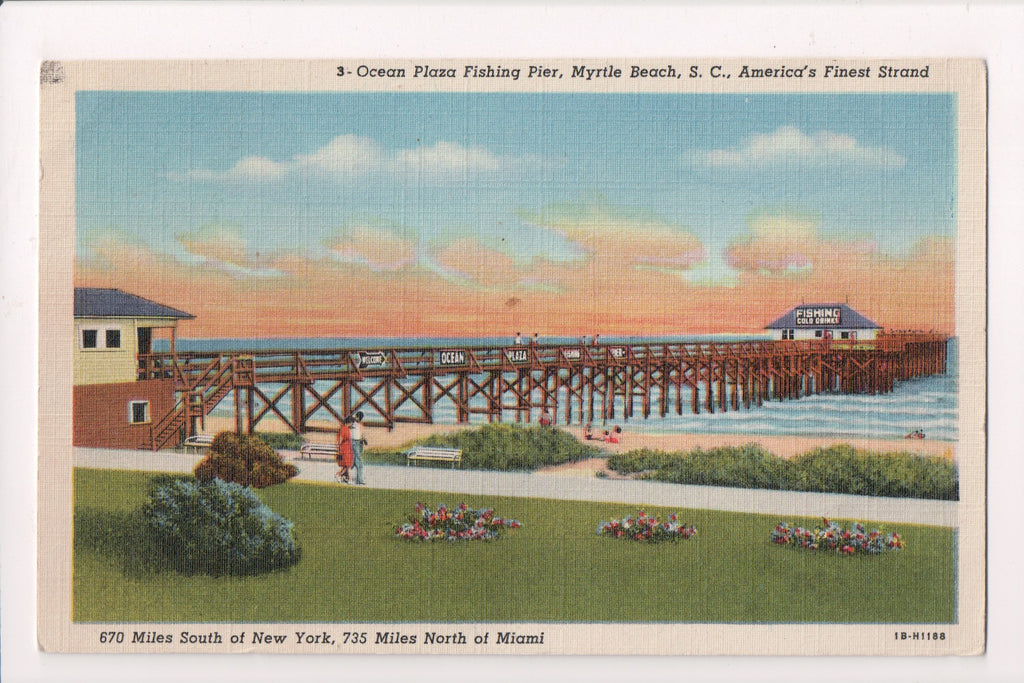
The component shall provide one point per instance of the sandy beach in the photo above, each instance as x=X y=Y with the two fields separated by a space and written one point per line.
x=634 y=437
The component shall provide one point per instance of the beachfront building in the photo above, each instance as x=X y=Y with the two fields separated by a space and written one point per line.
x=114 y=406
x=823 y=321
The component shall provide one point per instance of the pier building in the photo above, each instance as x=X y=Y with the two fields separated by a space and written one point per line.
x=114 y=406
x=823 y=321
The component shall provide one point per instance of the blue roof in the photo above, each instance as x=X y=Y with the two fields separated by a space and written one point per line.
x=98 y=302
x=848 y=319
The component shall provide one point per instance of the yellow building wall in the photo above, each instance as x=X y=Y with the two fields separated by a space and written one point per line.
x=110 y=366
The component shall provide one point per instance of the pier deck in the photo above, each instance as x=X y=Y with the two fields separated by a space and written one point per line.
x=574 y=383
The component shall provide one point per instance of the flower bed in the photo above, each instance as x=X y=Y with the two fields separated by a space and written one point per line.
x=831 y=536
x=459 y=524
x=646 y=528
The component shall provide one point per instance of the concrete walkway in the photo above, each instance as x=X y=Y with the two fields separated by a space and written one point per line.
x=569 y=487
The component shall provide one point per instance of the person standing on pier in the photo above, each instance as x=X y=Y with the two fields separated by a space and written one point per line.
x=357 y=446
x=519 y=339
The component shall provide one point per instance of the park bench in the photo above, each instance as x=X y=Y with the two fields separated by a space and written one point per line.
x=452 y=455
x=197 y=442
x=318 y=450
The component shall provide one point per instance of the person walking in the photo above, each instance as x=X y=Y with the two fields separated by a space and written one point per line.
x=358 y=441
x=345 y=452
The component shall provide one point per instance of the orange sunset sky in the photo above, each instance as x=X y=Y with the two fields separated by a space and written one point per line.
x=384 y=215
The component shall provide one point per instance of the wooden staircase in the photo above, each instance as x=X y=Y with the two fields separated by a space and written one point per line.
x=198 y=401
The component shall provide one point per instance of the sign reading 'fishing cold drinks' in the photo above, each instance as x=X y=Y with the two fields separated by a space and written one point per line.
x=818 y=316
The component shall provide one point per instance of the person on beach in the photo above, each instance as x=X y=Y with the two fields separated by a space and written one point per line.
x=613 y=437
x=357 y=446
x=588 y=432
x=606 y=436
x=545 y=419
x=345 y=452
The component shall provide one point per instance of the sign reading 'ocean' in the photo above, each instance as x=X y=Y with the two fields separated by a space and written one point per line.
x=818 y=316
x=451 y=357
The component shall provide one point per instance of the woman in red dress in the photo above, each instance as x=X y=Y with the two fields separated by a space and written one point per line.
x=345 y=453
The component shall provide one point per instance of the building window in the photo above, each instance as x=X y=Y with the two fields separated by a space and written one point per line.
x=844 y=335
x=817 y=333
x=101 y=338
x=138 y=412
x=788 y=334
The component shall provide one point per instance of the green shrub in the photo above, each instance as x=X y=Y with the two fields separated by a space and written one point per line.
x=513 y=447
x=845 y=469
x=282 y=441
x=837 y=469
x=502 y=447
x=217 y=528
x=639 y=460
x=244 y=459
x=748 y=466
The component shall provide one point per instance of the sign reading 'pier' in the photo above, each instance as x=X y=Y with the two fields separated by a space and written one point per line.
x=818 y=316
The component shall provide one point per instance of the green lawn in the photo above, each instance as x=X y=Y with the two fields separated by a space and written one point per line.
x=555 y=568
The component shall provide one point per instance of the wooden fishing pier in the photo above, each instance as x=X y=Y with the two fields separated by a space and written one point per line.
x=574 y=383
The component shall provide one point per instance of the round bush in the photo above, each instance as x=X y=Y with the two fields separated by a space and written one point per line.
x=217 y=527
x=244 y=459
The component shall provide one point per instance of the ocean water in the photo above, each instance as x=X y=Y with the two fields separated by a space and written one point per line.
x=928 y=403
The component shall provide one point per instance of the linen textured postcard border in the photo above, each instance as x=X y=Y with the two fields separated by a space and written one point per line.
x=757 y=134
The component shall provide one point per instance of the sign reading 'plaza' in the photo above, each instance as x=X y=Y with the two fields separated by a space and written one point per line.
x=517 y=355
x=818 y=316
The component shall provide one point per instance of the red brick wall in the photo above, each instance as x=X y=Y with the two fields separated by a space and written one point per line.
x=101 y=412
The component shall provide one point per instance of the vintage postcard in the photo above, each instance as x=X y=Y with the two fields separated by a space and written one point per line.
x=491 y=356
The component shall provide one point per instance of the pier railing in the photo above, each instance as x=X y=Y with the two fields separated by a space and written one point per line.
x=498 y=380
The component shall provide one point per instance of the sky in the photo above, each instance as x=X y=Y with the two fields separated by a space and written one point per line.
x=478 y=214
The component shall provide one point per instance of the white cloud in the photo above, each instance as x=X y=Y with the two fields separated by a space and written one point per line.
x=445 y=158
x=789 y=144
x=249 y=168
x=350 y=155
